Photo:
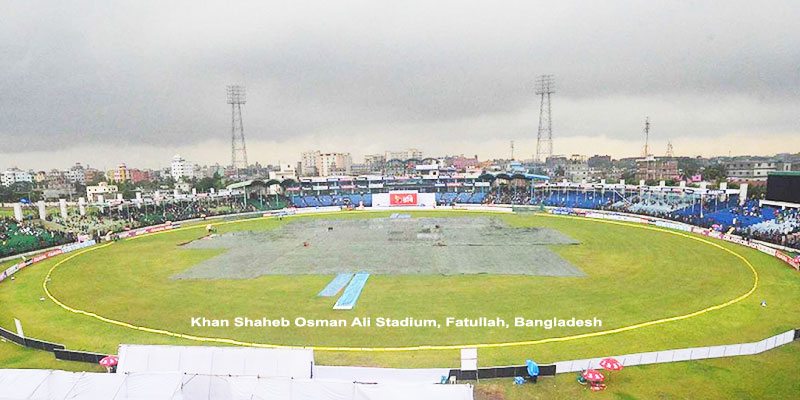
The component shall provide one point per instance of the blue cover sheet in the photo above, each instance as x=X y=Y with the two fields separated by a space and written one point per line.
x=336 y=285
x=352 y=292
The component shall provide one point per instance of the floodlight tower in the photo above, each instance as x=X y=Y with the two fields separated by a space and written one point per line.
x=545 y=86
x=646 y=136
x=237 y=97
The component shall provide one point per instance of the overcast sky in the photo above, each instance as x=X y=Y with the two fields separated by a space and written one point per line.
x=137 y=82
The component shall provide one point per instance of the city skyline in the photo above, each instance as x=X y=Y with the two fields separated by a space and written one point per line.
x=139 y=83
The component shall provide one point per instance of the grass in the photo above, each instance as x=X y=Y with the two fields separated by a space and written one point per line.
x=15 y=356
x=634 y=275
x=764 y=376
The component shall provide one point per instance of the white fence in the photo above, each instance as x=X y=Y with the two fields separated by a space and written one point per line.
x=694 y=353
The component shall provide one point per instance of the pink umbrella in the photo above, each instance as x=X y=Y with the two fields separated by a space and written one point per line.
x=109 y=361
x=610 y=364
x=593 y=375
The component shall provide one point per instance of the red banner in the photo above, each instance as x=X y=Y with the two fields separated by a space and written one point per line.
x=403 y=199
x=789 y=260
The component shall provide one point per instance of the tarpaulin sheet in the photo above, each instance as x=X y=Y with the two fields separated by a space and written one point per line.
x=336 y=285
x=352 y=292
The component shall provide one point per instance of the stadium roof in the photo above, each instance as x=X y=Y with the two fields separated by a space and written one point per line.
x=784 y=173
x=239 y=185
x=256 y=182
x=514 y=175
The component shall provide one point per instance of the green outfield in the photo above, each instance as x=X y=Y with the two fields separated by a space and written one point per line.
x=633 y=275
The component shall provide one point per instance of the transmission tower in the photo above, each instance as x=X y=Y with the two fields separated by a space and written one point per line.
x=545 y=86
x=646 y=136
x=237 y=97
x=512 y=150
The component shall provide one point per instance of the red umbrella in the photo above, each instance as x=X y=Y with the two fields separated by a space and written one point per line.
x=593 y=375
x=109 y=361
x=610 y=364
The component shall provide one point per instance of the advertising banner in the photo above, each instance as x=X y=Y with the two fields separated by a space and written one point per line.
x=793 y=262
x=403 y=198
x=785 y=258
x=44 y=256
x=152 y=229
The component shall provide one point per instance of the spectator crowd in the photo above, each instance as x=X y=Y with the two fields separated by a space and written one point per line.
x=29 y=235
x=770 y=224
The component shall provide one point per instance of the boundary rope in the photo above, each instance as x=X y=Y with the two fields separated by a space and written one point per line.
x=410 y=348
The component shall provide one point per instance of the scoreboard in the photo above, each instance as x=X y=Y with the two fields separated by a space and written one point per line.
x=784 y=187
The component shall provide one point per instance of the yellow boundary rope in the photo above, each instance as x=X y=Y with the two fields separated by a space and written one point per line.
x=411 y=348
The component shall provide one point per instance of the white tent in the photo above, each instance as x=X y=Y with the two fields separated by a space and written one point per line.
x=52 y=385
x=380 y=375
x=31 y=384
x=216 y=360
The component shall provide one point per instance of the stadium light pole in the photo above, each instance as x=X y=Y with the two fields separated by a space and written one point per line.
x=236 y=97
x=545 y=87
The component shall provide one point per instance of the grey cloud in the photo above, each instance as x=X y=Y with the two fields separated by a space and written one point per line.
x=149 y=74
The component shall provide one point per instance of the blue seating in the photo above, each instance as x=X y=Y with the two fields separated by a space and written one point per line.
x=325 y=200
x=298 y=201
x=463 y=197
x=477 y=198
x=311 y=201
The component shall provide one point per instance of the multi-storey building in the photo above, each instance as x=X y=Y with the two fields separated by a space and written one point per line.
x=410 y=153
x=374 y=162
x=15 y=175
x=181 y=169
x=93 y=193
x=93 y=175
x=120 y=174
x=76 y=174
x=753 y=170
x=656 y=169
x=334 y=164
x=308 y=163
x=139 y=175
x=577 y=169
x=461 y=163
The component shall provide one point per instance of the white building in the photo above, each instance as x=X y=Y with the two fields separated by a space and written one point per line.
x=404 y=155
x=15 y=175
x=76 y=174
x=108 y=192
x=744 y=170
x=308 y=164
x=181 y=169
x=334 y=164
x=287 y=171
x=316 y=163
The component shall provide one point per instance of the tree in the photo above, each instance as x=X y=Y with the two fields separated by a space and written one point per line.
x=688 y=166
x=715 y=173
x=19 y=190
x=206 y=183
x=629 y=176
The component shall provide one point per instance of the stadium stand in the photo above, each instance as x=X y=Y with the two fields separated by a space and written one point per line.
x=766 y=223
x=750 y=220
x=22 y=237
